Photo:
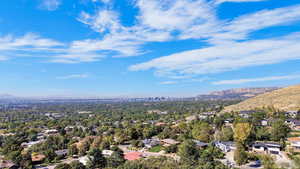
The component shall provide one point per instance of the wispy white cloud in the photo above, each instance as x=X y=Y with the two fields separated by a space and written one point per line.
x=3 y=58
x=226 y=57
x=227 y=52
x=174 y=15
x=262 y=79
x=165 y=20
x=29 y=45
x=103 y=1
x=103 y=20
x=118 y=40
x=237 y=1
x=29 y=40
x=50 y=5
x=73 y=76
x=158 y=20
x=32 y=45
x=168 y=82
x=220 y=32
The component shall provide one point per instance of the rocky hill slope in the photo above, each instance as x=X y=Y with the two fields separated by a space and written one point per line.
x=236 y=94
x=283 y=99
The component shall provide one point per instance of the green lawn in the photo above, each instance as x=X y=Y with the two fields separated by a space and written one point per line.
x=155 y=149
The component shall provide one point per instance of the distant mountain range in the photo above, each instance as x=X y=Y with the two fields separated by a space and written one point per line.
x=7 y=96
x=285 y=99
x=236 y=94
x=232 y=94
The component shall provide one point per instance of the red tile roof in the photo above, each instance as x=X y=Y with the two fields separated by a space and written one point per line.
x=132 y=156
x=37 y=157
x=293 y=139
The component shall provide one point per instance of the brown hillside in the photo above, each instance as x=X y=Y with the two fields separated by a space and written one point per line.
x=283 y=99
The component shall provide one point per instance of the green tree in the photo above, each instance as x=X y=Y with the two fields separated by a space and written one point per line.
x=15 y=156
x=26 y=161
x=96 y=159
x=116 y=159
x=261 y=133
x=77 y=165
x=268 y=162
x=279 y=130
x=63 y=166
x=202 y=131
x=226 y=134
x=72 y=150
x=171 y=149
x=219 y=122
x=188 y=152
x=240 y=155
x=50 y=155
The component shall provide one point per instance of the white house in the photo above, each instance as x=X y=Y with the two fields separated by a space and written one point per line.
x=292 y=114
x=294 y=143
x=225 y=146
x=267 y=147
x=84 y=160
x=151 y=142
x=31 y=143
x=107 y=153
x=264 y=122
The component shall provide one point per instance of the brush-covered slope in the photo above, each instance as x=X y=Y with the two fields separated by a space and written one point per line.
x=283 y=99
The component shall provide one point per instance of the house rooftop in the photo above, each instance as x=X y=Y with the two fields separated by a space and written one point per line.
x=61 y=152
x=294 y=139
x=200 y=143
x=132 y=156
x=6 y=164
x=170 y=141
x=267 y=144
x=38 y=157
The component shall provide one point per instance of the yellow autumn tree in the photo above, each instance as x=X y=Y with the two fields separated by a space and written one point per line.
x=242 y=131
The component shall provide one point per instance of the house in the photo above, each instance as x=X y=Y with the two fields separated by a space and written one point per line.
x=191 y=118
x=37 y=158
x=63 y=152
x=57 y=115
x=292 y=114
x=163 y=113
x=157 y=112
x=225 y=146
x=51 y=131
x=6 y=134
x=211 y=113
x=40 y=136
x=160 y=124
x=84 y=160
x=200 y=144
x=294 y=144
x=202 y=117
x=6 y=164
x=264 y=122
x=107 y=153
x=168 y=142
x=132 y=156
x=266 y=147
x=84 y=112
x=246 y=113
x=293 y=123
x=228 y=122
x=31 y=143
x=151 y=142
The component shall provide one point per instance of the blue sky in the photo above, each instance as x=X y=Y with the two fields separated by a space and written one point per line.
x=113 y=48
